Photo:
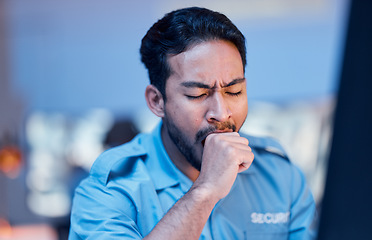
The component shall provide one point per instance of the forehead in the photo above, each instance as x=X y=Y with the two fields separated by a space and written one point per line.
x=211 y=61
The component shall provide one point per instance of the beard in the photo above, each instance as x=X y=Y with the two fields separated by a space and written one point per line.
x=188 y=147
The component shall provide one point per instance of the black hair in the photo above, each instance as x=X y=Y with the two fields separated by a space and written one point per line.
x=179 y=30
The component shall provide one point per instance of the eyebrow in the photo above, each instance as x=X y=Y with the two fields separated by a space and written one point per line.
x=192 y=84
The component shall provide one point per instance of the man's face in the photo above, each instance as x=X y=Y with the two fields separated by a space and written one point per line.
x=206 y=93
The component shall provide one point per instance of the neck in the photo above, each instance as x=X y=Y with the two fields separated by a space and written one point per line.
x=177 y=157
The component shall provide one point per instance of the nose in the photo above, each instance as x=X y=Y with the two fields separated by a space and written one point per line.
x=218 y=109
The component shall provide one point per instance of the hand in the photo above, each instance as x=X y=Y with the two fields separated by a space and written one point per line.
x=224 y=156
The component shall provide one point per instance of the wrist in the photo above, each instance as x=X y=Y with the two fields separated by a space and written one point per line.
x=204 y=194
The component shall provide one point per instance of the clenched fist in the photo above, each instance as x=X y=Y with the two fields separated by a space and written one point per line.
x=224 y=156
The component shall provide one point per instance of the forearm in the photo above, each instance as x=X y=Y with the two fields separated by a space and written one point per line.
x=186 y=219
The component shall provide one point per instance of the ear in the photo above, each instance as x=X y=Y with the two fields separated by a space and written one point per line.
x=155 y=100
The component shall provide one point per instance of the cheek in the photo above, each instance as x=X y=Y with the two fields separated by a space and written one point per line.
x=182 y=113
x=187 y=110
x=186 y=118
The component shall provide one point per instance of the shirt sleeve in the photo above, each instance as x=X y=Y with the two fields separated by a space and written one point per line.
x=102 y=213
x=303 y=209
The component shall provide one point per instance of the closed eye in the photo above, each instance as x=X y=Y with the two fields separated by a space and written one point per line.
x=196 y=97
x=234 y=93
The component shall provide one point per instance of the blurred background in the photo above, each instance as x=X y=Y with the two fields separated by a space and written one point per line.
x=72 y=85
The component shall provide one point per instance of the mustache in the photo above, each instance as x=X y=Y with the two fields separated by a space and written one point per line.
x=203 y=133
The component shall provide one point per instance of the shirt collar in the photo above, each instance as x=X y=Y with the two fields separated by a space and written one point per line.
x=260 y=145
x=161 y=168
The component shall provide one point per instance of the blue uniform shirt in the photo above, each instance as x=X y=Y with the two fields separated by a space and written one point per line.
x=131 y=187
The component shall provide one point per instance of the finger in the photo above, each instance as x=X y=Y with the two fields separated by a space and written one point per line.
x=245 y=164
x=243 y=147
x=233 y=137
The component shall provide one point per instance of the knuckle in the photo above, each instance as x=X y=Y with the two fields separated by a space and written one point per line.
x=230 y=150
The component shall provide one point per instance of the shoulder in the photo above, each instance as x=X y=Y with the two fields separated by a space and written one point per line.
x=114 y=178
x=118 y=159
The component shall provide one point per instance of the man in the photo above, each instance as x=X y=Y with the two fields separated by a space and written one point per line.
x=194 y=175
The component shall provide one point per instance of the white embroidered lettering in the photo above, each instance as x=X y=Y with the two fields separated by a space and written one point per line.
x=270 y=218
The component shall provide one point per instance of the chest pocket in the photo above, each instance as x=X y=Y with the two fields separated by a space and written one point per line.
x=257 y=207
x=239 y=217
x=244 y=226
x=270 y=225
